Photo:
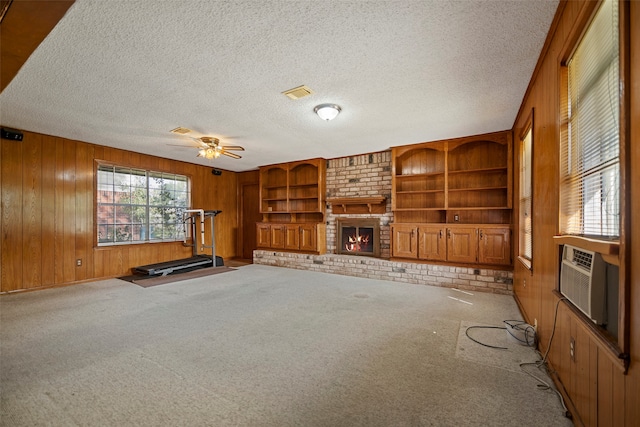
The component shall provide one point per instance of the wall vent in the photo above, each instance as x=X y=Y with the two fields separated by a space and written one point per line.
x=298 y=92
x=583 y=281
x=181 y=131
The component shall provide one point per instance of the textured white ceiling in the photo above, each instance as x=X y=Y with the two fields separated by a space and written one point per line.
x=123 y=73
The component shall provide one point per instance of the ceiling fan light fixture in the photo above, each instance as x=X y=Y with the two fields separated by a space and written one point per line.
x=327 y=111
x=209 y=153
x=210 y=148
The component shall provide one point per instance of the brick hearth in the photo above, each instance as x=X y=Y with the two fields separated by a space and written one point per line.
x=485 y=280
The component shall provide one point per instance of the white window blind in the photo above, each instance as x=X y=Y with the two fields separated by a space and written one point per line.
x=526 y=226
x=590 y=164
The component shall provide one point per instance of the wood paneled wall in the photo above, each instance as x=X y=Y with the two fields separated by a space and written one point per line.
x=24 y=26
x=598 y=391
x=248 y=212
x=47 y=221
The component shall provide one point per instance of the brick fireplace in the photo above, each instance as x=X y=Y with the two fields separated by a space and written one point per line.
x=358 y=236
x=365 y=177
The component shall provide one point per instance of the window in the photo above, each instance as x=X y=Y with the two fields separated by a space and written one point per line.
x=592 y=108
x=136 y=206
x=526 y=221
x=590 y=168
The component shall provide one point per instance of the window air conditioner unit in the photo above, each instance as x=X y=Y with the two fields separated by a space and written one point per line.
x=583 y=281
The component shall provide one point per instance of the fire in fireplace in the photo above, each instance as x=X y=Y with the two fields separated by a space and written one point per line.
x=358 y=237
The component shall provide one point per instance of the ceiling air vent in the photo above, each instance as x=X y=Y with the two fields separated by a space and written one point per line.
x=181 y=131
x=298 y=92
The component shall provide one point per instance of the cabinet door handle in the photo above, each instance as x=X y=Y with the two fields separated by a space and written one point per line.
x=449 y=233
x=441 y=234
x=480 y=234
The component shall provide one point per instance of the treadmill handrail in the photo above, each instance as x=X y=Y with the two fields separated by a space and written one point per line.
x=184 y=218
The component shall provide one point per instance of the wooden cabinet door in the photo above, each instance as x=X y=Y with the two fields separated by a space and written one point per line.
x=292 y=237
x=495 y=246
x=432 y=244
x=462 y=244
x=404 y=238
x=308 y=235
x=263 y=235
x=277 y=236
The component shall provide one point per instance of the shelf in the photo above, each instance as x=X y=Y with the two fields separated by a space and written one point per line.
x=481 y=170
x=359 y=204
x=477 y=189
x=466 y=183
x=311 y=184
x=294 y=188
x=419 y=191
x=418 y=209
x=602 y=246
x=477 y=208
x=419 y=175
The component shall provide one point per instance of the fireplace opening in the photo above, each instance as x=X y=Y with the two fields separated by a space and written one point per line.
x=358 y=237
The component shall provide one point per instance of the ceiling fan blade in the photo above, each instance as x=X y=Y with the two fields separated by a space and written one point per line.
x=184 y=146
x=199 y=142
x=232 y=155
x=233 y=147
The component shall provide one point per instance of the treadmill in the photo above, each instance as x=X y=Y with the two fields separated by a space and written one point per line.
x=197 y=260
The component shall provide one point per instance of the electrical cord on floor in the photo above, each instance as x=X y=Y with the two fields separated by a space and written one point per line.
x=529 y=336
x=543 y=385
x=530 y=339
x=528 y=332
x=481 y=343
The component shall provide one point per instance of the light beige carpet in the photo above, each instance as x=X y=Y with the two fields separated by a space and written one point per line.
x=262 y=346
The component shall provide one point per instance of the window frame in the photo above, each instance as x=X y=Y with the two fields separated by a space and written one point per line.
x=147 y=206
x=565 y=132
x=527 y=261
x=613 y=251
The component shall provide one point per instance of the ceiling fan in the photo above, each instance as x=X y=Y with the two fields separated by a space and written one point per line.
x=210 y=148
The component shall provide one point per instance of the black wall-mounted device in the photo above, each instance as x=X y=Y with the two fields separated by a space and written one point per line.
x=12 y=134
x=216 y=172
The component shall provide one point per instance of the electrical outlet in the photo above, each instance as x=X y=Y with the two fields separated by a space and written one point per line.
x=572 y=349
x=456 y=217
x=79 y=262
x=524 y=283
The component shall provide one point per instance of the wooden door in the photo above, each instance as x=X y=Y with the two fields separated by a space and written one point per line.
x=495 y=246
x=404 y=238
x=432 y=244
x=250 y=212
x=292 y=237
x=277 y=236
x=263 y=235
x=308 y=239
x=462 y=244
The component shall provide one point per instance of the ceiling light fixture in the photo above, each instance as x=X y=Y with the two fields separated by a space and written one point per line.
x=327 y=111
x=209 y=153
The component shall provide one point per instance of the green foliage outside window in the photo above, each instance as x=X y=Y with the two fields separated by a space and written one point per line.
x=135 y=206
